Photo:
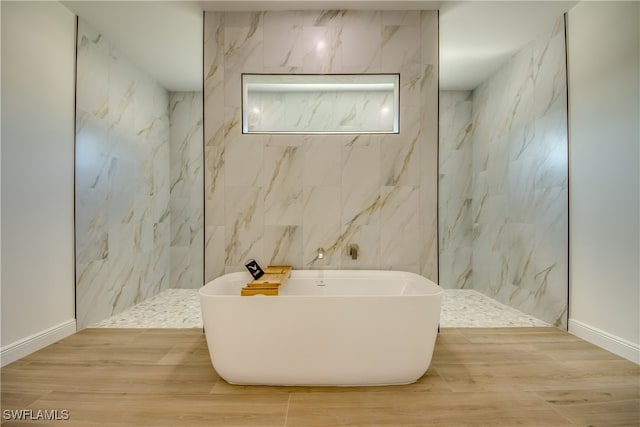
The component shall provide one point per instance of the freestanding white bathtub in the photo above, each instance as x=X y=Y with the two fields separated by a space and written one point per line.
x=327 y=327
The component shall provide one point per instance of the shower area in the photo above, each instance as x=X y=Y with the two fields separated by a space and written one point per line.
x=139 y=183
x=154 y=222
x=503 y=183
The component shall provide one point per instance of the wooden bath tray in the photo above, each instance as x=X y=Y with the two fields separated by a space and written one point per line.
x=269 y=284
x=278 y=269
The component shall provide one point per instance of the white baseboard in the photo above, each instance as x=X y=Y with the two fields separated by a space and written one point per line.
x=21 y=348
x=615 y=345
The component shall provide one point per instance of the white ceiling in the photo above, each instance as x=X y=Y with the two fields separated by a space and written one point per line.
x=477 y=37
x=165 y=37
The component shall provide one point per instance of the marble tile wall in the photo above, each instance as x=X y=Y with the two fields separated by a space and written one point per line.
x=139 y=203
x=186 y=190
x=277 y=198
x=122 y=181
x=519 y=194
x=455 y=185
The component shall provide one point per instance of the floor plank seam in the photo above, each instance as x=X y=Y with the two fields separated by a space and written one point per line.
x=562 y=416
x=286 y=414
x=488 y=384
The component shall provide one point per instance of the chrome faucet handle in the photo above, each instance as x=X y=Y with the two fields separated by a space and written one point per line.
x=320 y=253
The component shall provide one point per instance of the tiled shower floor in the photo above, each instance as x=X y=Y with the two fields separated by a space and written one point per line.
x=180 y=308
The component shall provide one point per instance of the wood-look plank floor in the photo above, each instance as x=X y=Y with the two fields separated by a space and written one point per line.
x=163 y=377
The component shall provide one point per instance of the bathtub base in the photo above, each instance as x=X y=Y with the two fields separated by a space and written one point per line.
x=298 y=339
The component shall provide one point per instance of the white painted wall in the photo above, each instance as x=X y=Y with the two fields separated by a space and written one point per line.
x=38 y=56
x=604 y=112
x=0 y=173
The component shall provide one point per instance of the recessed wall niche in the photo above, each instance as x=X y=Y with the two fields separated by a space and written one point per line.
x=320 y=103
x=278 y=198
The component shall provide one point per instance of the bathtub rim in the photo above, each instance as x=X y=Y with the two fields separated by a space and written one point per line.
x=433 y=288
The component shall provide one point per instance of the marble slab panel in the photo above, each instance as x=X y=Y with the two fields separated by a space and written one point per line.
x=244 y=225
x=550 y=75
x=283 y=245
x=322 y=162
x=360 y=185
x=243 y=52
x=92 y=73
x=214 y=185
x=399 y=243
x=186 y=190
x=551 y=138
x=400 y=17
x=214 y=252
x=283 y=41
x=429 y=33
x=322 y=50
x=214 y=80
x=243 y=154
x=367 y=238
x=322 y=225
x=400 y=158
x=519 y=178
x=123 y=180
x=319 y=191
x=283 y=185
x=361 y=41
x=401 y=45
x=456 y=268
x=428 y=266
x=333 y=18
x=124 y=81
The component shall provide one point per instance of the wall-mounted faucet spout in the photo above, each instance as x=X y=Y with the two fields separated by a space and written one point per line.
x=354 y=249
x=320 y=253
